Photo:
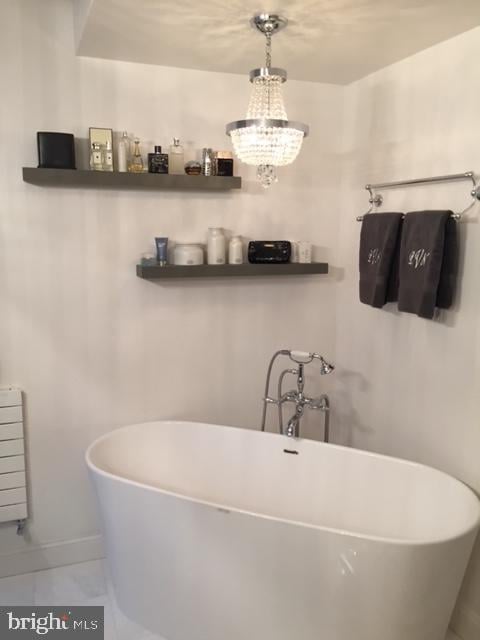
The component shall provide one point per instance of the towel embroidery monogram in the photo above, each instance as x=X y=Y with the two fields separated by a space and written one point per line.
x=418 y=258
x=374 y=256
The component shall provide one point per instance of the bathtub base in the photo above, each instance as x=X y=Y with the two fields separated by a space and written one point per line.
x=201 y=573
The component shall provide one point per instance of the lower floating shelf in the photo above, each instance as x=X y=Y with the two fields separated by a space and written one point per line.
x=156 y=272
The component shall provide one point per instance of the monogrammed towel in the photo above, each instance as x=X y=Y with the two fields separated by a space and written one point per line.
x=421 y=258
x=394 y=277
x=448 y=275
x=378 y=241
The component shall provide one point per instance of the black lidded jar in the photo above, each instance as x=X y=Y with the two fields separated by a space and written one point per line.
x=158 y=161
x=224 y=162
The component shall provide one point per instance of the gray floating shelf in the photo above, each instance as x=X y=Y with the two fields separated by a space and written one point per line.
x=122 y=180
x=155 y=272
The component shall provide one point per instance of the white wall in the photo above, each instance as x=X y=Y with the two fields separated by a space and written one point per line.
x=407 y=386
x=92 y=345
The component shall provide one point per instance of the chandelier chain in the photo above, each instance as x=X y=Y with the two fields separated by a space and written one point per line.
x=268 y=50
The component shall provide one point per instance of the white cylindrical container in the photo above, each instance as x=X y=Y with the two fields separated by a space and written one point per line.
x=294 y=254
x=216 y=246
x=188 y=254
x=123 y=149
x=235 y=250
x=304 y=252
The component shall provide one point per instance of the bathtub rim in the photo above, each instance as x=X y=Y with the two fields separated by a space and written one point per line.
x=231 y=509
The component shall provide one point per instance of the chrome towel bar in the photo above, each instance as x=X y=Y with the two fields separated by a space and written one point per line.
x=376 y=199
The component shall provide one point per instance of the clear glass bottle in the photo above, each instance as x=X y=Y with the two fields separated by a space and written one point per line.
x=123 y=152
x=107 y=157
x=96 y=163
x=136 y=161
x=235 y=250
x=216 y=246
x=176 y=162
x=208 y=162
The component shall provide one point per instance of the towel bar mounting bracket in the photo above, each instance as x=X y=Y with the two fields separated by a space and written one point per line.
x=376 y=199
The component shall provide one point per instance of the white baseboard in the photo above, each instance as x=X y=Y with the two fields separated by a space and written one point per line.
x=466 y=623
x=47 y=556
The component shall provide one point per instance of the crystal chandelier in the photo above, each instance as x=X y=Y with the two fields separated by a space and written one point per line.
x=266 y=138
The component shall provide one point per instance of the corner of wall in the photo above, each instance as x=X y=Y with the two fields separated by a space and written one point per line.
x=81 y=12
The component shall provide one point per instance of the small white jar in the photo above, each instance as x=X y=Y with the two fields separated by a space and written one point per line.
x=294 y=254
x=216 y=246
x=304 y=252
x=235 y=250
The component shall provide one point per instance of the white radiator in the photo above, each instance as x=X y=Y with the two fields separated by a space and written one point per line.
x=13 y=485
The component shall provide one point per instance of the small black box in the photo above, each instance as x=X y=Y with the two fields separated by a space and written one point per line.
x=269 y=251
x=55 y=150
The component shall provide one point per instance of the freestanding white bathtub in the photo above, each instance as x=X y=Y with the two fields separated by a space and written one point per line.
x=218 y=533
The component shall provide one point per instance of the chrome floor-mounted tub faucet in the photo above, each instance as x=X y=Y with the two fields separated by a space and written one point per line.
x=296 y=396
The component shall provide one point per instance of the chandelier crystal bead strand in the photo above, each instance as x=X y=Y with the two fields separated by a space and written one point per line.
x=266 y=138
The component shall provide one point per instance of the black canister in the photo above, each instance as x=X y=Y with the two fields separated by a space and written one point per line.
x=224 y=162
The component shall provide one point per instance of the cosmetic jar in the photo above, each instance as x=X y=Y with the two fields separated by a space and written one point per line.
x=304 y=252
x=188 y=254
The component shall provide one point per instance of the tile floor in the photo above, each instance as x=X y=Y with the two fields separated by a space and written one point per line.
x=87 y=583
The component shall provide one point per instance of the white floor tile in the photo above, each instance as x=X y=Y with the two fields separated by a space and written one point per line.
x=17 y=590
x=77 y=584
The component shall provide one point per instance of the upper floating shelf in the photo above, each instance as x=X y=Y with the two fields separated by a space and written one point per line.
x=121 y=180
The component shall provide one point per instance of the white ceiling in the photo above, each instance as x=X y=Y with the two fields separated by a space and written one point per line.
x=335 y=41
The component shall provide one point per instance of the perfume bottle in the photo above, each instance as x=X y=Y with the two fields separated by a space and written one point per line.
x=107 y=157
x=193 y=168
x=158 y=161
x=96 y=163
x=175 y=157
x=123 y=152
x=136 y=161
x=208 y=162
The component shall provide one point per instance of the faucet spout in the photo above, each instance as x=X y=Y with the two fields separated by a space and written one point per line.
x=292 y=427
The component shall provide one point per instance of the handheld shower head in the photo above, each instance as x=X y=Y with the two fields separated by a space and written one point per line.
x=325 y=367
x=304 y=357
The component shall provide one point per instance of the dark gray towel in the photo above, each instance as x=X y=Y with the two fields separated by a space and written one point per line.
x=394 y=277
x=448 y=275
x=421 y=259
x=378 y=240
